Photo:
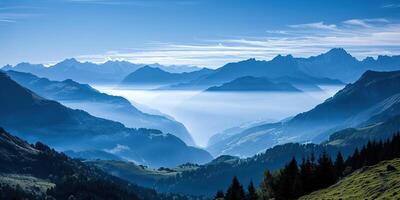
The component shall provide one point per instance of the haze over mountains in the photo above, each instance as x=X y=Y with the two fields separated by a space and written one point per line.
x=366 y=109
x=84 y=97
x=380 y=124
x=65 y=129
x=333 y=67
x=249 y=84
x=109 y=72
x=374 y=94
x=156 y=76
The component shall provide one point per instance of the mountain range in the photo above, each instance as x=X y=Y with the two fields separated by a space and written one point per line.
x=333 y=67
x=35 y=118
x=377 y=118
x=253 y=84
x=155 y=76
x=366 y=109
x=110 y=72
x=84 y=97
x=371 y=99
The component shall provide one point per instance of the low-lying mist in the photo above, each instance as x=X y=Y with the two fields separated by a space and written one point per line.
x=207 y=113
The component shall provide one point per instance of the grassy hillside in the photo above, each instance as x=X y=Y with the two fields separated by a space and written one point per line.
x=375 y=182
x=30 y=184
x=139 y=174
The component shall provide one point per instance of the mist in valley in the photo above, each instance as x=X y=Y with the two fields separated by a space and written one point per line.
x=207 y=113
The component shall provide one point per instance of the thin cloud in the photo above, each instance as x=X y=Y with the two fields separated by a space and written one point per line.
x=7 y=20
x=139 y=3
x=391 y=6
x=367 y=23
x=317 y=25
x=99 y=2
x=9 y=17
x=12 y=14
x=380 y=36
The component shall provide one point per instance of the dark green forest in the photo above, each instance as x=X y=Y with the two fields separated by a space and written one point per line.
x=297 y=179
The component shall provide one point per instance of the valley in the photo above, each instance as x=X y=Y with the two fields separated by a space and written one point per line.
x=176 y=141
x=199 y=100
x=196 y=109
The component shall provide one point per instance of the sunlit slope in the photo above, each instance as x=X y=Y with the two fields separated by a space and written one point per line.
x=377 y=182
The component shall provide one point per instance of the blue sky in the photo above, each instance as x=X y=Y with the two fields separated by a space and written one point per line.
x=194 y=32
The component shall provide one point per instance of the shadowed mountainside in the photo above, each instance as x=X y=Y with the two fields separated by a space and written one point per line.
x=39 y=119
x=371 y=99
x=84 y=97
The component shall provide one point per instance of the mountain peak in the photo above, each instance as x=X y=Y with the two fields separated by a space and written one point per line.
x=7 y=67
x=148 y=68
x=337 y=52
x=280 y=57
x=116 y=62
x=69 y=61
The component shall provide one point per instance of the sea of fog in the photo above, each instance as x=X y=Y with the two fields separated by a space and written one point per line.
x=207 y=113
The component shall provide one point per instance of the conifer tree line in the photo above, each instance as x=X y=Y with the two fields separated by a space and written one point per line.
x=311 y=174
x=236 y=191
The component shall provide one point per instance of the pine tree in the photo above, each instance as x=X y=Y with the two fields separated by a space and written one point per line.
x=288 y=182
x=220 y=195
x=307 y=176
x=267 y=185
x=235 y=191
x=325 y=171
x=339 y=165
x=355 y=162
x=252 y=193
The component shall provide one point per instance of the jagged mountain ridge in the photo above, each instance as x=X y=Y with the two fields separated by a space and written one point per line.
x=333 y=67
x=110 y=72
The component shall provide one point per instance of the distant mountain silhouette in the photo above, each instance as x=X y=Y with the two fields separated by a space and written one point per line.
x=156 y=76
x=250 y=83
x=110 y=72
x=333 y=67
x=82 y=96
x=35 y=118
x=336 y=64
x=176 y=68
x=372 y=99
x=86 y=72
x=277 y=67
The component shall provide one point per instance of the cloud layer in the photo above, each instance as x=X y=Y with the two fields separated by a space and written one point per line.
x=361 y=37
